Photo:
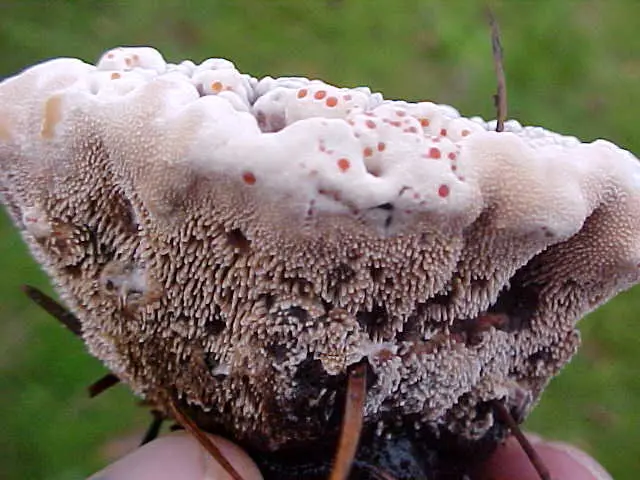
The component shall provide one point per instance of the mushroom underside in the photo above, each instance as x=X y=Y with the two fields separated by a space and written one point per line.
x=258 y=349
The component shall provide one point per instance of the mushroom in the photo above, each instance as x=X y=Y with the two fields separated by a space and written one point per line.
x=234 y=246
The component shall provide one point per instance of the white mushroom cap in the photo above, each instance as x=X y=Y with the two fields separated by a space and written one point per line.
x=263 y=235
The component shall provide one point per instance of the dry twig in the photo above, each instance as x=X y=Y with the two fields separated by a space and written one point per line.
x=351 y=422
x=102 y=384
x=202 y=438
x=500 y=98
x=54 y=309
x=154 y=429
x=503 y=415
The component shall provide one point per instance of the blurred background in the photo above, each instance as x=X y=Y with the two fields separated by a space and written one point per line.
x=573 y=67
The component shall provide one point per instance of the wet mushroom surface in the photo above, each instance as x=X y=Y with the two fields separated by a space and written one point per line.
x=235 y=245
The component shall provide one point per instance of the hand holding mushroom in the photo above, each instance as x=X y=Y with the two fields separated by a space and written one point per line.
x=179 y=456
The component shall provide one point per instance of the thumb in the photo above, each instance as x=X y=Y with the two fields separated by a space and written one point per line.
x=562 y=460
x=179 y=456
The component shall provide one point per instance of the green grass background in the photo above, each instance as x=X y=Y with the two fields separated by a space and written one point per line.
x=572 y=66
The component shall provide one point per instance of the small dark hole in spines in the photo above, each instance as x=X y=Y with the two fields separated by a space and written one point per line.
x=377 y=274
x=374 y=320
x=479 y=283
x=443 y=299
x=410 y=329
x=310 y=379
x=297 y=312
x=213 y=364
x=541 y=356
x=520 y=302
x=340 y=275
x=278 y=352
x=237 y=240
x=268 y=299
x=215 y=326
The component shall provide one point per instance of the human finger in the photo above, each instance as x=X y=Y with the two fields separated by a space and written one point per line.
x=179 y=456
x=563 y=461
